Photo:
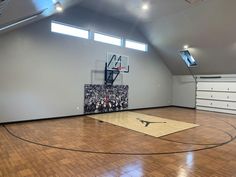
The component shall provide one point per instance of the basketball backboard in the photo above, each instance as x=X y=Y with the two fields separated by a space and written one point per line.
x=117 y=62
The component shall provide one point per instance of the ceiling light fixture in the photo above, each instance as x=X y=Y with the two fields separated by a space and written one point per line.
x=58 y=7
x=145 y=6
x=186 y=47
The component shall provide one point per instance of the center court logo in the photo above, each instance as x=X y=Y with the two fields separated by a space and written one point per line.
x=147 y=123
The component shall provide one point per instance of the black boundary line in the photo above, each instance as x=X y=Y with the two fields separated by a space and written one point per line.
x=225 y=132
x=87 y=114
x=234 y=127
x=179 y=142
x=121 y=153
x=229 y=124
x=165 y=139
x=214 y=145
x=184 y=107
x=117 y=153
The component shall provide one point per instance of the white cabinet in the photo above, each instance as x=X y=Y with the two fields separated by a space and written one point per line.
x=216 y=96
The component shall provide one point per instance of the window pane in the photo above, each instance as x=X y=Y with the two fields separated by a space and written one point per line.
x=69 y=30
x=107 y=39
x=136 y=45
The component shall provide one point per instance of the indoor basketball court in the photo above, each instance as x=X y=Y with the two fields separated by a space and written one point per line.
x=117 y=89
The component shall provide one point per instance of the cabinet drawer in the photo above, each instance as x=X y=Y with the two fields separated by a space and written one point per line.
x=217 y=86
x=217 y=110
x=217 y=104
x=224 y=96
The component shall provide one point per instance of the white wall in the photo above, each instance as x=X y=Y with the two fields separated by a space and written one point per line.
x=42 y=74
x=183 y=91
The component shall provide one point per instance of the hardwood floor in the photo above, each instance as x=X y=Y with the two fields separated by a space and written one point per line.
x=85 y=147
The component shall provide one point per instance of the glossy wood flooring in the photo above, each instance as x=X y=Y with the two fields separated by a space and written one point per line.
x=85 y=147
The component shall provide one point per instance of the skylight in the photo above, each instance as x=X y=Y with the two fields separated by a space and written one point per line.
x=188 y=58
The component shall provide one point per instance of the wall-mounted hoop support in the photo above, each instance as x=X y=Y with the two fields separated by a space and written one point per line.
x=115 y=65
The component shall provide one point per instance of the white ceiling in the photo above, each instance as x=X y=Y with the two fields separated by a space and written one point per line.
x=131 y=9
x=124 y=9
x=207 y=26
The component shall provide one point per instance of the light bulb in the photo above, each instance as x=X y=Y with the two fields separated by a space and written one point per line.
x=58 y=7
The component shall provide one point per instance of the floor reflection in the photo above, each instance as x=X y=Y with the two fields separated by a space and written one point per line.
x=133 y=169
x=190 y=160
x=182 y=172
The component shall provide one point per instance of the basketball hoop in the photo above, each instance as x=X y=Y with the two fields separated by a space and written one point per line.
x=119 y=68
x=117 y=62
x=115 y=65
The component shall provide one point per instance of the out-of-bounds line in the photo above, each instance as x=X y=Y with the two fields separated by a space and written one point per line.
x=117 y=153
x=206 y=144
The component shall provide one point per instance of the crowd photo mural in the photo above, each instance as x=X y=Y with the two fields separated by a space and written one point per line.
x=105 y=98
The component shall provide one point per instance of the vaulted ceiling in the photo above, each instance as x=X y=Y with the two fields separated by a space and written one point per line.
x=207 y=26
